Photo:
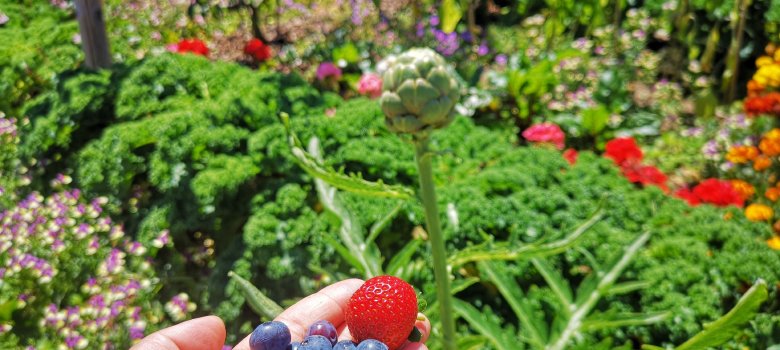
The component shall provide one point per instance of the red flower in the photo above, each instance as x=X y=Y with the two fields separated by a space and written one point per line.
x=686 y=194
x=765 y=104
x=645 y=175
x=623 y=150
x=258 y=50
x=194 y=46
x=570 y=155
x=718 y=192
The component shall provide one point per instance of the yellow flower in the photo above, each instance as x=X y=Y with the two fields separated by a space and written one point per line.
x=768 y=75
x=744 y=189
x=742 y=154
x=777 y=55
x=773 y=134
x=758 y=212
x=764 y=61
x=774 y=242
x=761 y=163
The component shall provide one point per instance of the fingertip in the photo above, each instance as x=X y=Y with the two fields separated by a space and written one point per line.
x=415 y=346
x=200 y=333
x=424 y=326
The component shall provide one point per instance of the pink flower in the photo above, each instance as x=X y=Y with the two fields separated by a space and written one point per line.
x=328 y=69
x=545 y=133
x=370 y=84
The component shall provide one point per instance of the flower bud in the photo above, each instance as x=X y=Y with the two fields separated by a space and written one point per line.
x=420 y=93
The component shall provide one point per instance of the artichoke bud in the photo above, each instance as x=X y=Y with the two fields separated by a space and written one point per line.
x=420 y=93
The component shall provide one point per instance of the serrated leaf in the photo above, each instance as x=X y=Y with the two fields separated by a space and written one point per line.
x=588 y=296
x=484 y=325
x=724 y=328
x=354 y=184
x=345 y=253
x=401 y=259
x=611 y=321
x=627 y=287
x=557 y=283
x=350 y=231
x=534 y=329
x=507 y=251
x=258 y=302
x=651 y=347
x=473 y=342
x=380 y=225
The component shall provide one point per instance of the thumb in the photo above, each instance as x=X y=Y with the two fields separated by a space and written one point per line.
x=205 y=333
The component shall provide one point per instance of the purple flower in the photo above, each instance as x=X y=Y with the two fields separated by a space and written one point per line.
x=434 y=21
x=483 y=49
x=328 y=69
x=3 y=18
x=501 y=59
x=360 y=9
x=420 y=29
x=136 y=332
x=467 y=37
x=447 y=43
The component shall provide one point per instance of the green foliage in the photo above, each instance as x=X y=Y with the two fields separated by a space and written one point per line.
x=724 y=328
x=35 y=45
x=196 y=147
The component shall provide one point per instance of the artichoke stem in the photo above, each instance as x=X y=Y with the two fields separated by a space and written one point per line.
x=440 y=272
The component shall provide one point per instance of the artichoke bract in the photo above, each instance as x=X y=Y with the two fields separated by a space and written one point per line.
x=419 y=93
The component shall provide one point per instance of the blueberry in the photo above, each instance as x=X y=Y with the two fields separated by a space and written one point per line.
x=294 y=345
x=315 y=342
x=325 y=329
x=270 y=336
x=345 y=345
x=372 y=344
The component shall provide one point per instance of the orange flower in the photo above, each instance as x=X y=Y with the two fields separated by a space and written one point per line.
x=770 y=49
x=744 y=189
x=770 y=147
x=742 y=154
x=774 y=242
x=761 y=163
x=773 y=193
x=754 y=88
x=758 y=212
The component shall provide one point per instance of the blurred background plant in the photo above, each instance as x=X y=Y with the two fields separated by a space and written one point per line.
x=185 y=139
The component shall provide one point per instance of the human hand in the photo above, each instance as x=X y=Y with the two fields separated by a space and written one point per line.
x=329 y=304
x=205 y=333
x=208 y=333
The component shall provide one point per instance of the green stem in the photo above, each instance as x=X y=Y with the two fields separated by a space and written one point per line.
x=440 y=272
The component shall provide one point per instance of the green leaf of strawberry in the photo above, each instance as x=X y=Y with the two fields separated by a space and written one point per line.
x=383 y=308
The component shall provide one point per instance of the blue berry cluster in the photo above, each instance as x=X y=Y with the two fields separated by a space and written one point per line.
x=322 y=335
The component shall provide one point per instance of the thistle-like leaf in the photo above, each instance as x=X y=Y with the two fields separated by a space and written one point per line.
x=485 y=326
x=507 y=251
x=258 y=302
x=533 y=328
x=724 y=328
x=353 y=184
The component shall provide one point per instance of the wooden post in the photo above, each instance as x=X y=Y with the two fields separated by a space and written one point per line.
x=93 y=33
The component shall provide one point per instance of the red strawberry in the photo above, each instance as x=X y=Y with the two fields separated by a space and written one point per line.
x=385 y=309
